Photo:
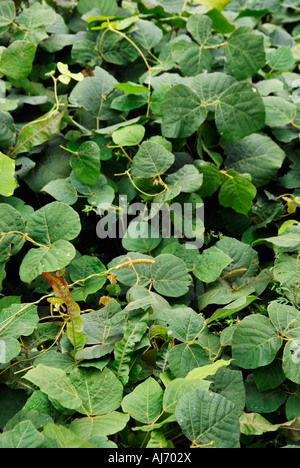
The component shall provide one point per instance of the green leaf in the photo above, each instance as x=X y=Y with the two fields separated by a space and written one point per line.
x=37 y=132
x=16 y=61
x=37 y=261
x=219 y=4
x=179 y=387
x=245 y=52
x=129 y=136
x=144 y=404
x=64 y=437
x=183 y=358
x=210 y=264
x=170 y=276
x=262 y=348
x=7 y=130
x=95 y=94
x=182 y=112
x=257 y=155
x=124 y=350
x=10 y=221
x=104 y=425
x=146 y=34
x=184 y=322
x=207 y=418
x=243 y=255
x=86 y=163
x=240 y=112
x=23 y=435
x=9 y=349
x=232 y=308
x=291 y=360
x=151 y=160
x=53 y=222
x=62 y=190
x=256 y=424
x=116 y=49
x=279 y=112
x=237 y=192
x=199 y=26
x=194 y=61
x=56 y=384
x=131 y=88
x=263 y=402
x=285 y=318
x=7 y=12
x=100 y=391
x=205 y=371
x=105 y=7
x=7 y=175
x=84 y=267
x=141 y=237
x=32 y=22
x=210 y=86
x=230 y=384
x=281 y=59
x=187 y=178
x=18 y=320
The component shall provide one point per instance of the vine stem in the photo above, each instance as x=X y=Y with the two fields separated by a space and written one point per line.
x=149 y=67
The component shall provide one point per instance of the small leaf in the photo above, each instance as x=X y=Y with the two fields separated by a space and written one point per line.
x=129 y=136
x=151 y=160
x=144 y=404
x=86 y=163
x=207 y=418
x=56 y=384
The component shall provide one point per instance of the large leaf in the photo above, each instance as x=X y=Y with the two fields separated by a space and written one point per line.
x=210 y=264
x=23 y=435
x=199 y=26
x=95 y=94
x=240 y=111
x=261 y=350
x=56 y=384
x=182 y=112
x=144 y=404
x=37 y=132
x=245 y=52
x=179 y=387
x=58 y=255
x=16 y=61
x=257 y=155
x=106 y=424
x=237 y=192
x=184 y=323
x=55 y=221
x=183 y=358
x=207 y=418
x=170 y=276
x=100 y=392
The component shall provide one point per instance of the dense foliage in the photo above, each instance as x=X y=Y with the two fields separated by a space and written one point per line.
x=145 y=341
